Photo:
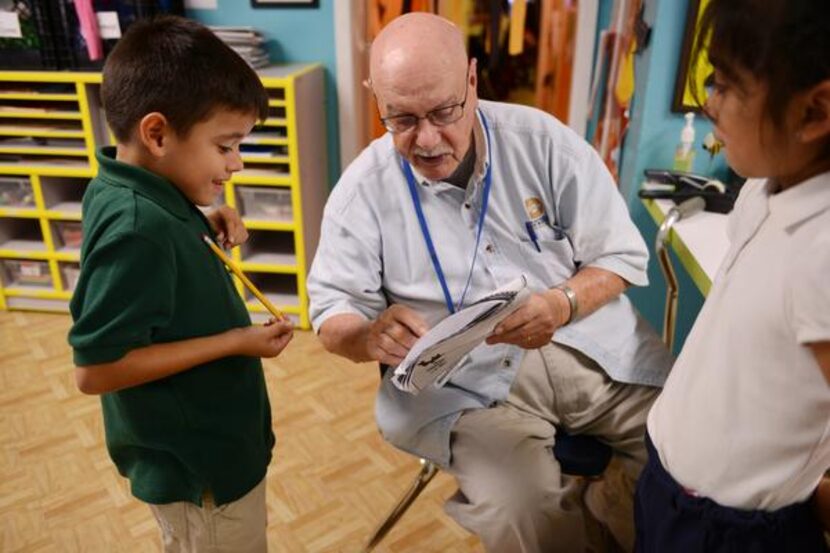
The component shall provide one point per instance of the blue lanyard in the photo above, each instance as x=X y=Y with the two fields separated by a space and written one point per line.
x=436 y=263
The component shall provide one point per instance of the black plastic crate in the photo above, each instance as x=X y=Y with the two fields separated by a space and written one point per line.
x=74 y=50
x=34 y=50
x=52 y=36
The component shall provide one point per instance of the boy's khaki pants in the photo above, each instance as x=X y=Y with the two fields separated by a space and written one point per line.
x=512 y=493
x=235 y=527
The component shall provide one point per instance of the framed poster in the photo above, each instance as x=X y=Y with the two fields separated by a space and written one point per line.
x=684 y=98
x=285 y=3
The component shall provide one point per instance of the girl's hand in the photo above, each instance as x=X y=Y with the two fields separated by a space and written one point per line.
x=228 y=226
x=821 y=501
x=266 y=340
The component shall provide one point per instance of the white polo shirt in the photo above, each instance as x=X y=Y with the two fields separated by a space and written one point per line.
x=744 y=418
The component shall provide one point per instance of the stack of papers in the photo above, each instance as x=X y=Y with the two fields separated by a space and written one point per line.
x=248 y=42
x=438 y=353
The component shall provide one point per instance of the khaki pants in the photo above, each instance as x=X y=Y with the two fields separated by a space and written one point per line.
x=512 y=493
x=236 y=527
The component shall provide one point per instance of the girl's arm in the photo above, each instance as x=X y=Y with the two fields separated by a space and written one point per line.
x=821 y=350
x=821 y=502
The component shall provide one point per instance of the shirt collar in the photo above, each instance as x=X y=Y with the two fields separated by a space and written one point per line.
x=150 y=185
x=482 y=156
x=795 y=205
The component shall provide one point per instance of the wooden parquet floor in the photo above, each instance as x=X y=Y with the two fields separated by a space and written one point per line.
x=330 y=482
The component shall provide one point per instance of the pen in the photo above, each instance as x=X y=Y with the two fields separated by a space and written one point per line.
x=248 y=284
x=532 y=234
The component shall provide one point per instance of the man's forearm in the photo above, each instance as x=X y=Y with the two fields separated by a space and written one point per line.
x=594 y=287
x=346 y=335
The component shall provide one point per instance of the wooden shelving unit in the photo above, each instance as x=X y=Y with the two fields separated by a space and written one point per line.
x=52 y=122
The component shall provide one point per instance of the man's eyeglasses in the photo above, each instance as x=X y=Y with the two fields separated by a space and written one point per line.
x=439 y=117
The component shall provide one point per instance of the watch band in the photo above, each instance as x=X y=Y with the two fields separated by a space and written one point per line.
x=571 y=295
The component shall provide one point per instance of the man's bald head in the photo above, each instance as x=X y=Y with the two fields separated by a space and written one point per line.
x=417 y=44
x=419 y=69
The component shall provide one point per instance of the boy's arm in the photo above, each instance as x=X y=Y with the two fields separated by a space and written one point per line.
x=149 y=363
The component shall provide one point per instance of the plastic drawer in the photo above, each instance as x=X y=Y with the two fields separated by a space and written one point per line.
x=259 y=202
x=26 y=272
x=70 y=273
x=16 y=192
x=69 y=233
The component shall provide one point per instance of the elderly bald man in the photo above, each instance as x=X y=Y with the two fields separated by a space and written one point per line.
x=494 y=191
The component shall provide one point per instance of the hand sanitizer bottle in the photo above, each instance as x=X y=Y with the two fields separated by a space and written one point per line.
x=684 y=156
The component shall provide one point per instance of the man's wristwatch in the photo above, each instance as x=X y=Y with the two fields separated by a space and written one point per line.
x=571 y=295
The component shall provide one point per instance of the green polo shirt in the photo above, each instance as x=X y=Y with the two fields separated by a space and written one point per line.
x=147 y=278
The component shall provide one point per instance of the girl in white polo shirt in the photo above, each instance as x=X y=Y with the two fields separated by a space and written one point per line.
x=740 y=436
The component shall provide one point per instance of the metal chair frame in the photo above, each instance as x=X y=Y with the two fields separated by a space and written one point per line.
x=579 y=455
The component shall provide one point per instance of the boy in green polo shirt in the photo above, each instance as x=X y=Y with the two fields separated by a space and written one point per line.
x=160 y=331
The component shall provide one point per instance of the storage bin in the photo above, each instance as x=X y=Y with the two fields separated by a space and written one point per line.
x=259 y=202
x=31 y=50
x=16 y=192
x=70 y=273
x=69 y=233
x=26 y=272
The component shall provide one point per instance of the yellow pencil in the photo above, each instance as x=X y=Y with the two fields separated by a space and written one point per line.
x=248 y=284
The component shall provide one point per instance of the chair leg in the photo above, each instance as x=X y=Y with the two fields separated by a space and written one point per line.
x=427 y=472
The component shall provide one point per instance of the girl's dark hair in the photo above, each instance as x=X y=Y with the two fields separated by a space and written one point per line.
x=782 y=43
x=180 y=69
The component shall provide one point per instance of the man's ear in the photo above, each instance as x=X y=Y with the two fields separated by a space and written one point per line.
x=473 y=74
x=815 y=121
x=154 y=133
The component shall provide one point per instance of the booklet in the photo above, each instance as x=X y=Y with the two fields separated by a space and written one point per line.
x=439 y=352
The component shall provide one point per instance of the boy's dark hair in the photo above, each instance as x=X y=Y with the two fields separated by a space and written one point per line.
x=783 y=43
x=179 y=68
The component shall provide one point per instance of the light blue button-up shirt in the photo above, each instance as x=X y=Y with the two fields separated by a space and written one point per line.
x=372 y=254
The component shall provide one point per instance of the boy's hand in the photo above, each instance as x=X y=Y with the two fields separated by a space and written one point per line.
x=266 y=340
x=228 y=226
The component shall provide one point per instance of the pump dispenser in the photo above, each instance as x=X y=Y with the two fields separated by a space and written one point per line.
x=684 y=156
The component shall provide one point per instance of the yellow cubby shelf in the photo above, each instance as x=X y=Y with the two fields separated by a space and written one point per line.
x=51 y=123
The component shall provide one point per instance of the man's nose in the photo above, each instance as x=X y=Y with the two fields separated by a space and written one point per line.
x=427 y=135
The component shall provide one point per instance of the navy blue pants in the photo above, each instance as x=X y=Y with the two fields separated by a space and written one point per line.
x=669 y=520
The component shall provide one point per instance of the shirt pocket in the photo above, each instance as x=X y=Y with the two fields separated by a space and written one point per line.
x=553 y=260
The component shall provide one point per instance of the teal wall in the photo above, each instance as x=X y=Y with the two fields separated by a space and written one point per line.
x=651 y=139
x=295 y=35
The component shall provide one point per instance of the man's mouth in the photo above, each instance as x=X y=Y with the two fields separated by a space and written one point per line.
x=430 y=160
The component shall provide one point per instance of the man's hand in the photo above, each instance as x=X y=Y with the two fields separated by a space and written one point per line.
x=393 y=333
x=226 y=222
x=532 y=325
